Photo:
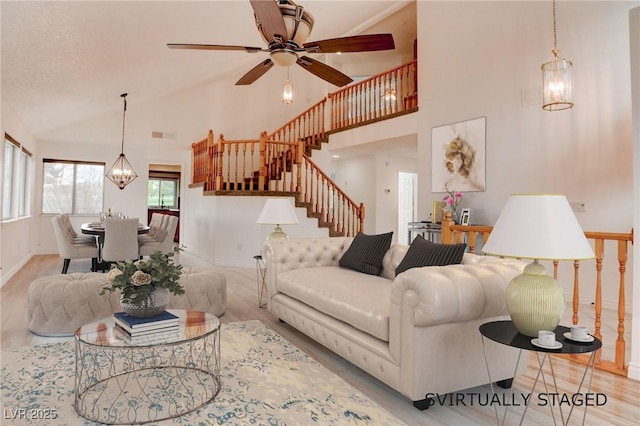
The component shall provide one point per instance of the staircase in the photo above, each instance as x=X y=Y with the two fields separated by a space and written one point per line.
x=279 y=163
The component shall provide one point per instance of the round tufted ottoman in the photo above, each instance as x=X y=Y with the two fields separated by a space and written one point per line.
x=204 y=290
x=59 y=304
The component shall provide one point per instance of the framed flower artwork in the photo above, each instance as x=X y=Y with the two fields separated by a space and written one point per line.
x=458 y=156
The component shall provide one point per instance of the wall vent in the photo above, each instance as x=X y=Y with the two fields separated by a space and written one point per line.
x=162 y=135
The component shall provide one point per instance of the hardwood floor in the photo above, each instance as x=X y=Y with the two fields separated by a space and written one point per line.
x=621 y=397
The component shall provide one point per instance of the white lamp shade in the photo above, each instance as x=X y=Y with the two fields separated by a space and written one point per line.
x=538 y=226
x=278 y=211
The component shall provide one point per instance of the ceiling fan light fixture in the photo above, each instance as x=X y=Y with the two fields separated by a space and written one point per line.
x=287 y=91
x=298 y=23
x=284 y=57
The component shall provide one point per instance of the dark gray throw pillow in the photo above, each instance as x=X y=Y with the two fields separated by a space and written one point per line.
x=424 y=253
x=366 y=252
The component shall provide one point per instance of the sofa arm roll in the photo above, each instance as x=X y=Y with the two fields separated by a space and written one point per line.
x=454 y=293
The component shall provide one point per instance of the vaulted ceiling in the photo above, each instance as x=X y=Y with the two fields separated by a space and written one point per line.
x=66 y=61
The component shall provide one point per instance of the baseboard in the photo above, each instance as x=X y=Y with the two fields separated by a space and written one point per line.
x=8 y=274
x=633 y=371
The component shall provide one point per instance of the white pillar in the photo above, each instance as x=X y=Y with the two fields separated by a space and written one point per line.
x=634 y=35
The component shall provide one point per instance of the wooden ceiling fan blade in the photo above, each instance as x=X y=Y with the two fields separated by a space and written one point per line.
x=255 y=73
x=324 y=71
x=268 y=14
x=360 y=43
x=212 y=47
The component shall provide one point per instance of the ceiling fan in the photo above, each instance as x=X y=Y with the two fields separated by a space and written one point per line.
x=285 y=27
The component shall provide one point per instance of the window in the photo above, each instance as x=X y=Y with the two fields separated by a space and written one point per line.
x=16 y=190
x=73 y=187
x=163 y=192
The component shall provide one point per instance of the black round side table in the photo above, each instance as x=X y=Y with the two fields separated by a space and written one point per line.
x=504 y=332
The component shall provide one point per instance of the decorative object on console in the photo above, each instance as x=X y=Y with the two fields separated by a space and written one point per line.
x=538 y=227
x=424 y=253
x=145 y=284
x=458 y=156
x=121 y=173
x=437 y=211
x=277 y=211
x=451 y=202
x=465 y=217
x=366 y=252
x=557 y=85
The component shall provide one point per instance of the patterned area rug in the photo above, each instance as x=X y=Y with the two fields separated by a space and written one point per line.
x=265 y=380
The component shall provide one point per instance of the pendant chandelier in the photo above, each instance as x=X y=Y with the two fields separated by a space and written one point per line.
x=121 y=173
x=557 y=87
x=287 y=90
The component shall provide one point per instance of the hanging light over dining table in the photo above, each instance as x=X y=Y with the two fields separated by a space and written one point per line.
x=121 y=173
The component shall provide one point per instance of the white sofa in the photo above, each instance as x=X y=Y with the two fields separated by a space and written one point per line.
x=417 y=332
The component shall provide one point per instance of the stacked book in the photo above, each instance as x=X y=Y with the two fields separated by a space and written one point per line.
x=165 y=323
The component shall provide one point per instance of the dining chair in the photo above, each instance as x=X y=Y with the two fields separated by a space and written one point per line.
x=154 y=226
x=70 y=247
x=163 y=240
x=120 y=240
x=66 y=222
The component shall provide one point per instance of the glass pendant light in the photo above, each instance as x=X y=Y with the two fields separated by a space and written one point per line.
x=287 y=90
x=557 y=86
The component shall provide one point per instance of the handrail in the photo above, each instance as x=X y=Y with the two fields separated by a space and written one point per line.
x=452 y=233
x=308 y=126
x=327 y=199
x=384 y=95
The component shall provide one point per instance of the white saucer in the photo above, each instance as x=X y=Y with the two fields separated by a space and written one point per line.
x=535 y=342
x=567 y=336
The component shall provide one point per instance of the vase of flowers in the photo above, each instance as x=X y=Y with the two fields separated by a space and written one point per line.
x=145 y=285
x=452 y=200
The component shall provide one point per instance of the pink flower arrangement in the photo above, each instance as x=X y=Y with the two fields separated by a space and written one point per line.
x=452 y=201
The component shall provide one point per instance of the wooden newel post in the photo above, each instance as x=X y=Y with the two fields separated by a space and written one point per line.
x=218 y=162
x=262 y=161
x=209 y=177
x=447 y=233
x=361 y=217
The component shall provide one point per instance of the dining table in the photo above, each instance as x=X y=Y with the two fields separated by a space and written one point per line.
x=97 y=229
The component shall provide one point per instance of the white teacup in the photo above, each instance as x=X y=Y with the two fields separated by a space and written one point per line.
x=546 y=338
x=579 y=332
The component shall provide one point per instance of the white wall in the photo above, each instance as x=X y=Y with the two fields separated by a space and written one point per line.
x=223 y=230
x=482 y=68
x=387 y=169
x=16 y=236
x=634 y=20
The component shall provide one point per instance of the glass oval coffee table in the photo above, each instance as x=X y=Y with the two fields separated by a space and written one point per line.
x=159 y=376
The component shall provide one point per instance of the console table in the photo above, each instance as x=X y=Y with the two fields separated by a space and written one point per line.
x=429 y=230
x=505 y=332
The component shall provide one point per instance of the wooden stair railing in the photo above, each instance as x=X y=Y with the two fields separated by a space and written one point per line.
x=309 y=126
x=327 y=201
x=234 y=163
x=201 y=161
x=452 y=233
x=385 y=95
x=262 y=166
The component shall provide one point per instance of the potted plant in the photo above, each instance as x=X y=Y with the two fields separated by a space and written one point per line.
x=145 y=284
